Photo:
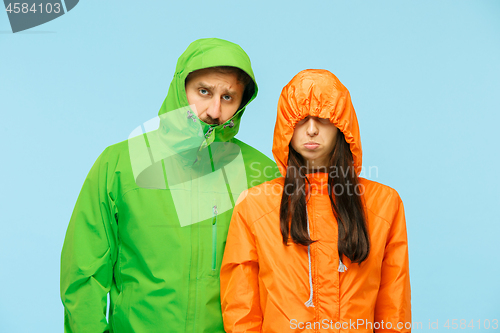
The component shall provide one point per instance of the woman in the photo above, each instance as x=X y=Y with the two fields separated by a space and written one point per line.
x=320 y=249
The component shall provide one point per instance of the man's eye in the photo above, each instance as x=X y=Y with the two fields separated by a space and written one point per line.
x=226 y=97
x=204 y=91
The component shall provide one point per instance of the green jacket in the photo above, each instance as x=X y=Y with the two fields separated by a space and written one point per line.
x=151 y=220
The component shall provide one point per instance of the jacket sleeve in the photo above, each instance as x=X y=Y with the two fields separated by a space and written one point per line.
x=393 y=300
x=239 y=276
x=87 y=255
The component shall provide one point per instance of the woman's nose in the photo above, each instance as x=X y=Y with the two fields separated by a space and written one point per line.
x=312 y=128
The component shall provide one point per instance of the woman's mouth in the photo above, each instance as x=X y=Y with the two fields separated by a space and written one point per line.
x=311 y=145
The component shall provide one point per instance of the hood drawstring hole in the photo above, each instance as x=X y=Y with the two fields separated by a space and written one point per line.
x=210 y=129
x=191 y=116
x=230 y=124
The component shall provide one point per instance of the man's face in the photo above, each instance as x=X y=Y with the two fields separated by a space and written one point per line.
x=216 y=95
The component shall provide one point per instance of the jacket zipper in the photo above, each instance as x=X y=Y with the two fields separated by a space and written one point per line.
x=214 y=238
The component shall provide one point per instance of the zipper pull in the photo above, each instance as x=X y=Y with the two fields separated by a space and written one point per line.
x=214 y=219
x=214 y=238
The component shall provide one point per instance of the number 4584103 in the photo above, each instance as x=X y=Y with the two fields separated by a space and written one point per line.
x=40 y=8
x=462 y=324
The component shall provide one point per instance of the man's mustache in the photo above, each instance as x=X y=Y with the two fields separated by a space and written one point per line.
x=211 y=121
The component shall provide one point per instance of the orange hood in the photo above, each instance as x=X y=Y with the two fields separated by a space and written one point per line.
x=318 y=93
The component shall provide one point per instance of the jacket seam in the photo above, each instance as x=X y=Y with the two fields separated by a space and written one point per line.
x=121 y=196
x=99 y=167
x=259 y=218
x=379 y=216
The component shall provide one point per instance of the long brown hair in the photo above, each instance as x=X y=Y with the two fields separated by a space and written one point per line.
x=347 y=206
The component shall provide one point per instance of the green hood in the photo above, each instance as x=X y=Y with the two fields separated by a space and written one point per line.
x=205 y=53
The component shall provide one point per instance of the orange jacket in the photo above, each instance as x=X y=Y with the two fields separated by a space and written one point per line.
x=265 y=284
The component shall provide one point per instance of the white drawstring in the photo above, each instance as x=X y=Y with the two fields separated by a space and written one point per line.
x=342 y=268
x=309 y=302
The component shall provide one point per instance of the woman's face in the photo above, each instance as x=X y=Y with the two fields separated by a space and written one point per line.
x=314 y=138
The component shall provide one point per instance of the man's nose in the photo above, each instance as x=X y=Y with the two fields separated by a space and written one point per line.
x=214 y=110
x=312 y=127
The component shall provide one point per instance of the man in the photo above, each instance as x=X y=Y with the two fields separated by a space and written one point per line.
x=151 y=220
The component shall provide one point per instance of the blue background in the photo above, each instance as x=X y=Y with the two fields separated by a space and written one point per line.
x=425 y=82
